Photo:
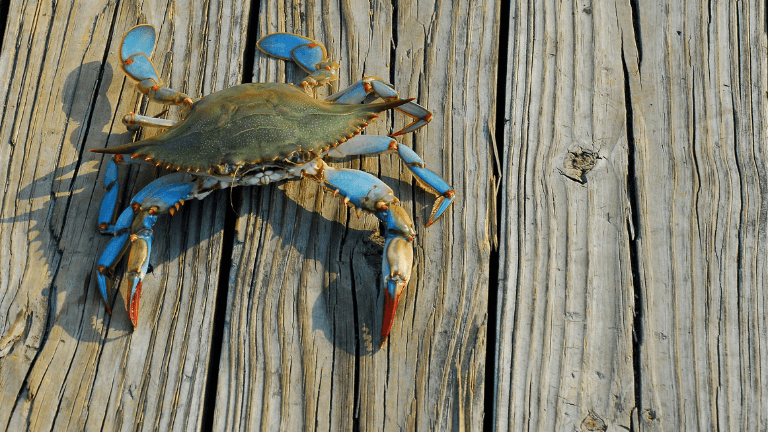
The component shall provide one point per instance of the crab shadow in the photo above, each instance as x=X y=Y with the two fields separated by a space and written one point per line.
x=62 y=179
x=47 y=201
x=304 y=244
x=341 y=321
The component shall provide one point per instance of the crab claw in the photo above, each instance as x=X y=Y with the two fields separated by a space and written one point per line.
x=396 y=263
x=366 y=192
x=138 y=263
x=396 y=268
x=134 y=228
x=112 y=254
x=371 y=144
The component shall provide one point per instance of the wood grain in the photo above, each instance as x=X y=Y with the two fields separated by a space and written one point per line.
x=702 y=215
x=566 y=297
x=76 y=367
x=634 y=301
x=632 y=241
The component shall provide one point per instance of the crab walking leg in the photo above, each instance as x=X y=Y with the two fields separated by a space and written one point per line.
x=310 y=55
x=135 y=50
x=372 y=145
x=164 y=95
x=134 y=121
x=133 y=230
x=359 y=91
x=109 y=201
x=140 y=245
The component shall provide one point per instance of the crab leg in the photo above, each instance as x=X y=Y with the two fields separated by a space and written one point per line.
x=133 y=121
x=310 y=55
x=359 y=91
x=135 y=50
x=313 y=58
x=112 y=253
x=164 y=195
x=368 y=193
x=109 y=202
x=396 y=263
x=138 y=263
x=372 y=144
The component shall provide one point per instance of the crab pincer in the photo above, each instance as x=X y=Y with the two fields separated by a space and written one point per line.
x=368 y=193
x=133 y=233
x=396 y=264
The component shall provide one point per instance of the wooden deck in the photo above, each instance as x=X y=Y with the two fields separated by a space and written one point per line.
x=604 y=267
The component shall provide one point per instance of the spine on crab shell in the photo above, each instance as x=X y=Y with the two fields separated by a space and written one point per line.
x=129 y=148
x=134 y=149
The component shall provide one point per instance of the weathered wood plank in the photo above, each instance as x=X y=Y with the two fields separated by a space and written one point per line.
x=76 y=367
x=699 y=112
x=672 y=97
x=301 y=343
x=565 y=286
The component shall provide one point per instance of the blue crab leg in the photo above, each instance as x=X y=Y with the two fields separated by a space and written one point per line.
x=133 y=121
x=281 y=44
x=164 y=195
x=364 y=191
x=373 y=144
x=135 y=49
x=308 y=54
x=138 y=263
x=109 y=201
x=112 y=253
x=359 y=189
x=396 y=262
x=373 y=85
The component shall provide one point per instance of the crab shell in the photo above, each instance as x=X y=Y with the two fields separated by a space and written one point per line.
x=251 y=124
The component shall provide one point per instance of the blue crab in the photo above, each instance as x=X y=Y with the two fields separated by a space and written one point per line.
x=255 y=134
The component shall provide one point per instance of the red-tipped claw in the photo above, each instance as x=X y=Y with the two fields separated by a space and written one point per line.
x=138 y=262
x=396 y=268
x=390 y=308
x=133 y=309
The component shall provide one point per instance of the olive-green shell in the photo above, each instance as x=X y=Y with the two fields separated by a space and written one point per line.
x=252 y=123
